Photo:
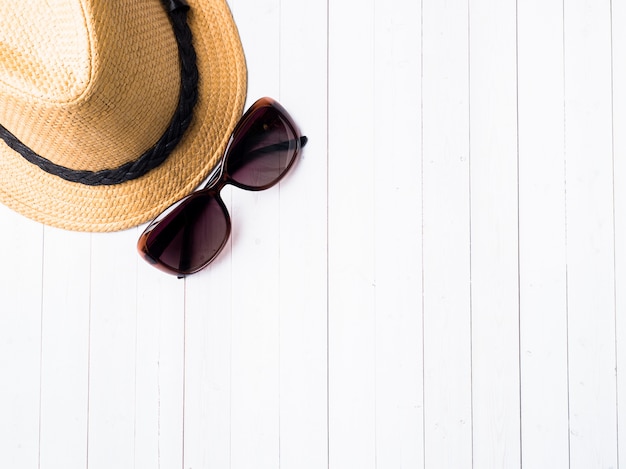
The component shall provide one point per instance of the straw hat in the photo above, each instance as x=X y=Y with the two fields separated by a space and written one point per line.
x=107 y=114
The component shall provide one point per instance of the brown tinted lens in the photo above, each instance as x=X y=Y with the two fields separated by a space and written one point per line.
x=191 y=235
x=262 y=150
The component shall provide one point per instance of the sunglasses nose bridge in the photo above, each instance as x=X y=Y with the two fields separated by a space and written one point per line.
x=217 y=181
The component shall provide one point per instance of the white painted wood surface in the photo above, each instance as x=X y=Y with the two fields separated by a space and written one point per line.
x=438 y=284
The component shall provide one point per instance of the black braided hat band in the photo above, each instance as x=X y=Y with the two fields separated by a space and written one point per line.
x=156 y=155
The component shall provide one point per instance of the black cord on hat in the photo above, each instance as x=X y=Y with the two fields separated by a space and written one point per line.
x=153 y=157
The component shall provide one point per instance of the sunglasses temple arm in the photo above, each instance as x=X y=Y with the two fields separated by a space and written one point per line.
x=216 y=174
x=280 y=146
x=168 y=233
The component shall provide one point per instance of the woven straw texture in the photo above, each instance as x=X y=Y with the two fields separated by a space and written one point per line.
x=91 y=85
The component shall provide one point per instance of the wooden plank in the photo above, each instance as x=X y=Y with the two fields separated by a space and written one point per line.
x=113 y=350
x=207 y=400
x=494 y=234
x=398 y=234
x=590 y=234
x=351 y=279
x=543 y=297
x=20 y=339
x=160 y=351
x=303 y=241
x=446 y=235
x=65 y=349
x=618 y=11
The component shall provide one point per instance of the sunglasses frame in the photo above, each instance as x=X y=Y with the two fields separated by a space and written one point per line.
x=216 y=182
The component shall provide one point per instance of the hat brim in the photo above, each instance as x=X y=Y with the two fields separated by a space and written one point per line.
x=53 y=201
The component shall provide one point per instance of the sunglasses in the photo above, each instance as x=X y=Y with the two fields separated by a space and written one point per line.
x=190 y=234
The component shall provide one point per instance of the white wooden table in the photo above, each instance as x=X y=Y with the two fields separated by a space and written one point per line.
x=438 y=284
